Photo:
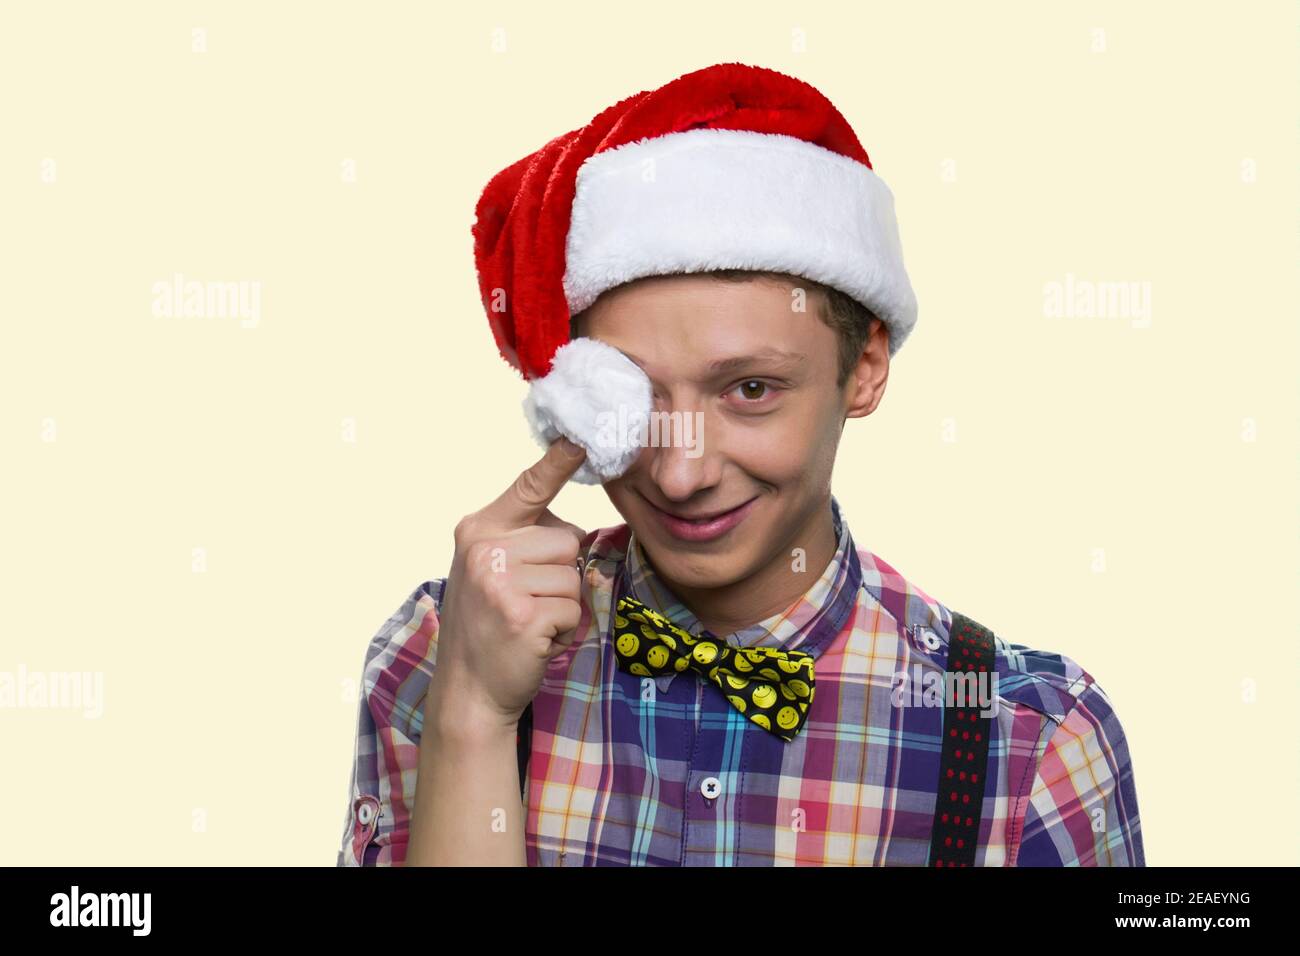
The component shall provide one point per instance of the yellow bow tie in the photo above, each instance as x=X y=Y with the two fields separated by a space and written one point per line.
x=773 y=688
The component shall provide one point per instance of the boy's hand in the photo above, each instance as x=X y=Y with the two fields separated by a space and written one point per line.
x=513 y=596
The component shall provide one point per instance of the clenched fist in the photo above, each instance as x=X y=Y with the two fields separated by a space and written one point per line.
x=512 y=599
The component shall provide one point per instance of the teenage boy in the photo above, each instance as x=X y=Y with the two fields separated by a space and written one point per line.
x=726 y=678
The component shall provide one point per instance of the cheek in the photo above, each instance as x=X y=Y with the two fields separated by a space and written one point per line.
x=785 y=447
x=776 y=455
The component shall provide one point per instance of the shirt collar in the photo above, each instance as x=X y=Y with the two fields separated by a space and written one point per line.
x=808 y=624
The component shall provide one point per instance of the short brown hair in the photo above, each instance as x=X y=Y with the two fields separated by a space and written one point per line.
x=846 y=316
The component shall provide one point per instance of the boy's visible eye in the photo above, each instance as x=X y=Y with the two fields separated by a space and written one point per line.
x=753 y=391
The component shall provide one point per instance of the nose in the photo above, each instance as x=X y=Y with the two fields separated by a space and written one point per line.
x=682 y=463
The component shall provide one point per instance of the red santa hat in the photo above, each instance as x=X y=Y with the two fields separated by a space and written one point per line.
x=728 y=167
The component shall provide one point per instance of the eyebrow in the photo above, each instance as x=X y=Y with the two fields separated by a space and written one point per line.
x=779 y=359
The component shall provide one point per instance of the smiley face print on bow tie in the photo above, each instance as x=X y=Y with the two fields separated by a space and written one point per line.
x=773 y=688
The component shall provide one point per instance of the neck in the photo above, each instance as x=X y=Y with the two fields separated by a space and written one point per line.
x=773 y=587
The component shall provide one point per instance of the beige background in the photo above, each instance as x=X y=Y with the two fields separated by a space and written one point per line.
x=1118 y=489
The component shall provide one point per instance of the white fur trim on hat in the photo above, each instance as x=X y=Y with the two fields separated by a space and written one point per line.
x=707 y=199
x=597 y=397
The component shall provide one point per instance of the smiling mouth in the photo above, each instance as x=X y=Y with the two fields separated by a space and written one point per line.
x=700 y=518
x=705 y=527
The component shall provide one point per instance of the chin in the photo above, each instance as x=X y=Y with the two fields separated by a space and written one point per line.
x=702 y=573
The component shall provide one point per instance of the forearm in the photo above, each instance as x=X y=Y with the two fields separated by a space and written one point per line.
x=467 y=809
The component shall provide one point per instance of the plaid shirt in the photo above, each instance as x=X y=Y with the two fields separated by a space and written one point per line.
x=626 y=770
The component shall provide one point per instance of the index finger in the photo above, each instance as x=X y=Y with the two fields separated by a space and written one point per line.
x=536 y=487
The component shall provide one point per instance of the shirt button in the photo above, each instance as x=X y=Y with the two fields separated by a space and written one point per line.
x=930 y=638
x=365 y=813
x=711 y=787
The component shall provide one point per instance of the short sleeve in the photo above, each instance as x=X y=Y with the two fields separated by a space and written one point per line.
x=1081 y=806
x=395 y=677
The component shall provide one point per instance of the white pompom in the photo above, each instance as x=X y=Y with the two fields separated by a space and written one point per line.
x=599 y=398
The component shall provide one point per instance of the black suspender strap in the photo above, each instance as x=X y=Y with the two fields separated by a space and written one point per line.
x=963 y=761
x=524 y=743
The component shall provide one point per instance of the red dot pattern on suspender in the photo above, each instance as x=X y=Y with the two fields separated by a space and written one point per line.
x=961 y=785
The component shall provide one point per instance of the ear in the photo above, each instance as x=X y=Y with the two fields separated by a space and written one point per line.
x=866 y=384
